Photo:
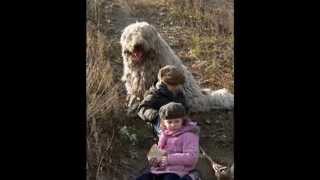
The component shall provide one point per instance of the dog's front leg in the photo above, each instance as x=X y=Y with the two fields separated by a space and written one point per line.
x=133 y=103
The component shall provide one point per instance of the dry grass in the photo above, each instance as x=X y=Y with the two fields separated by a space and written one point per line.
x=95 y=13
x=101 y=89
x=103 y=104
x=209 y=41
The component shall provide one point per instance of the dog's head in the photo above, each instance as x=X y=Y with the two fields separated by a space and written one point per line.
x=138 y=41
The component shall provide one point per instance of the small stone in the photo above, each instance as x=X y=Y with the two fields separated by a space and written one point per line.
x=224 y=136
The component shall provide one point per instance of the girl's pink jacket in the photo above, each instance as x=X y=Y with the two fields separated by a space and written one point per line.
x=182 y=148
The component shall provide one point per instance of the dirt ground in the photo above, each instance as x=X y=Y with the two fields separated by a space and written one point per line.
x=216 y=127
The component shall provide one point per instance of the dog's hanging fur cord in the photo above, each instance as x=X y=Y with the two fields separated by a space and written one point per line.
x=218 y=169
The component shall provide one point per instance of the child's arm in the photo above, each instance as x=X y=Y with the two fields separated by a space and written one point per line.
x=147 y=114
x=147 y=109
x=190 y=152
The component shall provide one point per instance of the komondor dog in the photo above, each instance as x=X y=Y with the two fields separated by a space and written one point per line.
x=144 y=52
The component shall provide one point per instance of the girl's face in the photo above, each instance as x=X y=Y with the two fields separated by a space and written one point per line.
x=173 y=124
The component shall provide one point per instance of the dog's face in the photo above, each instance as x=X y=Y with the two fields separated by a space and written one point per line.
x=138 y=41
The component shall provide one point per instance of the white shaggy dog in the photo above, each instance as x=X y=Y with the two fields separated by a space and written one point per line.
x=144 y=52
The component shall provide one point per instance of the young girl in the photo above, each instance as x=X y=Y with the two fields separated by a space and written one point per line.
x=179 y=142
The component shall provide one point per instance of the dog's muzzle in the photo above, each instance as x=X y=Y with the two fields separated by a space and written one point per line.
x=137 y=55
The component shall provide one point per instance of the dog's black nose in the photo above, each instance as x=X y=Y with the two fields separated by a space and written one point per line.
x=138 y=46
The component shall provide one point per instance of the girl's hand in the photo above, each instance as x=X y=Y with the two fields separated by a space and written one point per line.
x=154 y=162
x=163 y=152
x=164 y=161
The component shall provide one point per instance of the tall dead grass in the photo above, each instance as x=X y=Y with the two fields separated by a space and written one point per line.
x=103 y=104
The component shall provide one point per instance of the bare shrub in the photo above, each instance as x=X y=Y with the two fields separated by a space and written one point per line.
x=103 y=104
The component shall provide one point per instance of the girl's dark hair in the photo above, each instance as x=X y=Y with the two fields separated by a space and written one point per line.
x=172 y=110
